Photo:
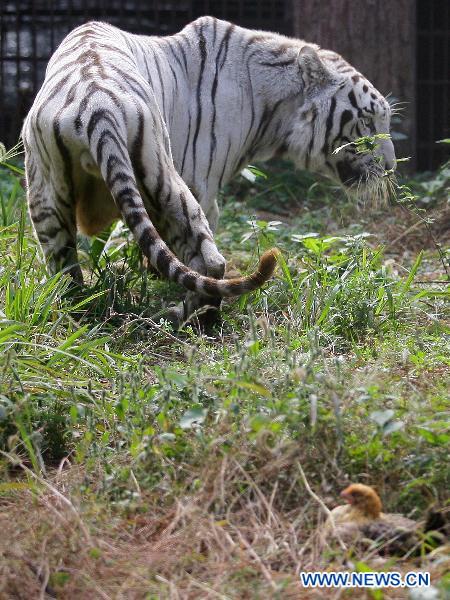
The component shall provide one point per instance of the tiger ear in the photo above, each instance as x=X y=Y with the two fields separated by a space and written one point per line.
x=312 y=70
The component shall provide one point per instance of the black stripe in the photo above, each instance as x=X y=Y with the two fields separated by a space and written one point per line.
x=174 y=75
x=186 y=143
x=189 y=281
x=122 y=176
x=214 y=20
x=352 y=98
x=92 y=89
x=177 y=272
x=134 y=84
x=252 y=104
x=127 y=193
x=146 y=241
x=186 y=214
x=283 y=63
x=57 y=88
x=266 y=120
x=183 y=53
x=65 y=155
x=40 y=144
x=159 y=181
x=172 y=51
x=226 y=39
x=346 y=117
x=44 y=213
x=329 y=125
x=136 y=156
x=117 y=142
x=147 y=68
x=70 y=96
x=99 y=116
x=64 y=69
x=163 y=262
x=202 y=47
x=113 y=161
x=223 y=47
x=225 y=163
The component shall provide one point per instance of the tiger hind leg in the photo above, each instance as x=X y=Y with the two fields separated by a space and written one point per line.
x=54 y=221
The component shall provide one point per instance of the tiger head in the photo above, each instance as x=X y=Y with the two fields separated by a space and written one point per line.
x=339 y=106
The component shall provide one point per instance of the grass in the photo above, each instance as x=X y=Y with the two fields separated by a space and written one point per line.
x=140 y=462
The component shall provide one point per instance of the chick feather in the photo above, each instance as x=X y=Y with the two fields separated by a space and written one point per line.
x=361 y=521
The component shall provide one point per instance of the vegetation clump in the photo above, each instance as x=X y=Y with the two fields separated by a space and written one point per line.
x=137 y=461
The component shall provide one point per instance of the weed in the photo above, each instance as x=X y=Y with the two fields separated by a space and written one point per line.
x=170 y=461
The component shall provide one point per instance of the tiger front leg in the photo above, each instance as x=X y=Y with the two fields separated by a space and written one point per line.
x=199 y=252
x=211 y=209
x=200 y=310
x=184 y=227
x=203 y=310
x=197 y=248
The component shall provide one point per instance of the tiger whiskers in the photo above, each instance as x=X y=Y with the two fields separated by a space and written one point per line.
x=372 y=189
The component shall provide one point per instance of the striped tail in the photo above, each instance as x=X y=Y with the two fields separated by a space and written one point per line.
x=115 y=165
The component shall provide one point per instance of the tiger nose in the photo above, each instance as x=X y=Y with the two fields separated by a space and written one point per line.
x=390 y=164
x=388 y=155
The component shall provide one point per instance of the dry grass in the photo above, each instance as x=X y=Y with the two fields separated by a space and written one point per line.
x=246 y=532
x=222 y=509
x=400 y=229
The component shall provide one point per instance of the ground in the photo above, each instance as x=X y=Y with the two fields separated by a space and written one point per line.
x=140 y=462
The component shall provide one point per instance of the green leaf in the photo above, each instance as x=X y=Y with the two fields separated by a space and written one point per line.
x=362 y=567
x=60 y=578
x=6 y=334
x=412 y=273
x=381 y=417
x=254 y=387
x=285 y=269
x=392 y=426
x=259 y=422
x=438 y=439
x=14 y=486
x=95 y=553
x=257 y=171
x=193 y=417
x=87 y=300
x=167 y=437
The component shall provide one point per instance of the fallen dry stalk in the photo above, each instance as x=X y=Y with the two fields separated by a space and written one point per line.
x=323 y=507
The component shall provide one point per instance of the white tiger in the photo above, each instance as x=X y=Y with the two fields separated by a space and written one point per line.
x=149 y=128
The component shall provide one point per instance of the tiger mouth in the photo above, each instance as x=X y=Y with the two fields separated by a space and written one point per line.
x=351 y=176
x=347 y=174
